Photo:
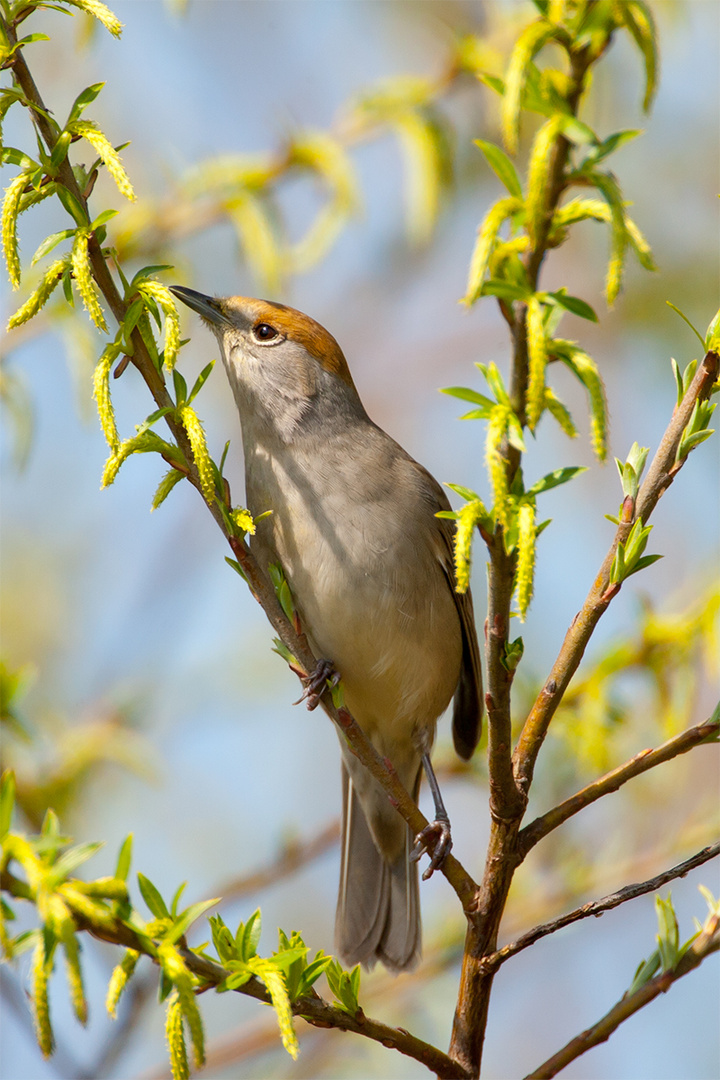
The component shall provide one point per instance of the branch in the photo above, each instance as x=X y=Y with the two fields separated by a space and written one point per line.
x=311 y=1007
x=598 y=907
x=707 y=942
x=612 y=781
x=662 y=472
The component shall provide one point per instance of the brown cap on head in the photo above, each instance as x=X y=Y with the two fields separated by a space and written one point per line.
x=296 y=326
x=292 y=324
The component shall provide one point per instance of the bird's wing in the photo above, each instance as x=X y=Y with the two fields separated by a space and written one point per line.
x=468 y=701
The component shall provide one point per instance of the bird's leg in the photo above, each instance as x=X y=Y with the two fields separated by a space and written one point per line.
x=316 y=683
x=435 y=837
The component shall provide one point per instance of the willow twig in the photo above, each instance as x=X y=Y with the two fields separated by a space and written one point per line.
x=640 y=763
x=707 y=942
x=598 y=907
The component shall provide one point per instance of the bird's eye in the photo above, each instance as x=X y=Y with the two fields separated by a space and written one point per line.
x=264 y=332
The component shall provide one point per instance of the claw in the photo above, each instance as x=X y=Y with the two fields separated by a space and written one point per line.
x=316 y=683
x=436 y=840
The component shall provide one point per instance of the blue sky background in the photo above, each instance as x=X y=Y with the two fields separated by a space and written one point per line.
x=116 y=606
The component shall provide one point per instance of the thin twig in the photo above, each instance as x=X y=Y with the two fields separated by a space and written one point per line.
x=662 y=472
x=598 y=907
x=640 y=763
x=311 y=1007
x=707 y=942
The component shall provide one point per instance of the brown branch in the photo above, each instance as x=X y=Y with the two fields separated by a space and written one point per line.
x=662 y=472
x=311 y=1007
x=508 y=796
x=612 y=781
x=598 y=907
x=707 y=942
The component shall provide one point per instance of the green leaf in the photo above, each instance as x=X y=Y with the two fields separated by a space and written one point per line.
x=684 y=317
x=188 y=917
x=82 y=101
x=50 y=242
x=504 y=290
x=7 y=801
x=236 y=567
x=176 y=899
x=712 y=336
x=645 y=972
x=103 y=218
x=466 y=394
x=502 y=166
x=152 y=898
x=612 y=143
x=463 y=492
x=575 y=305
x=70 y=860
x=554 y=479
x=180 y=387
x=73 y=206
x=9 y=155
x=248 y=936
x=122 y=868
x=645 y=560
x=200 y=381
x=577 y=132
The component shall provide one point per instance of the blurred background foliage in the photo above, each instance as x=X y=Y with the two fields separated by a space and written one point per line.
x=322 y=154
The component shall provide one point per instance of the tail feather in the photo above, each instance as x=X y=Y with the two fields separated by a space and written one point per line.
x=378 y=913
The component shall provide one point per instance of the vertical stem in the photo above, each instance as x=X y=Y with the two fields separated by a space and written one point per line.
x=507 y=798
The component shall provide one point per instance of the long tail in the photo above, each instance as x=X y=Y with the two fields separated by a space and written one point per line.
x=378 y=911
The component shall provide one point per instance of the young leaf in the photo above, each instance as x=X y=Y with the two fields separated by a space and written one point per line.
x=554 y=479
x=502 y=166
x=152 y=898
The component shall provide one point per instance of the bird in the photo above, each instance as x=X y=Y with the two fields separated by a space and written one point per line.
x=353 y=526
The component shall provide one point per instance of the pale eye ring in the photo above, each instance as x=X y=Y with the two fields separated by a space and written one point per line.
x=265 y=334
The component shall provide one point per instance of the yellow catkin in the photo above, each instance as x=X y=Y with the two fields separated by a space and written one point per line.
x=41 y=1007
x=73 y=970
x=80 y=260
x=38 y=299
x=538 y=174
x=176 y=970
x=525 y=572
x=176 y=1039
x=119 y=979
x=168 y=482
x=190 y=421
x=164 y=299
x=470 y=514
x=10 y=211
x=592 y=380
x=101 y=393
x=528 y=43
x=485 y=243
x=557 y=409
x=497 y=471
x=259 y=242
x=423 y=174
x=102 y=13
x=107 y=154
x=275 y=983
x=243 y=519
x=537 y=361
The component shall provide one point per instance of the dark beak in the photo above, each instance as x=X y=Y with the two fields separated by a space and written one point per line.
x=207 y=306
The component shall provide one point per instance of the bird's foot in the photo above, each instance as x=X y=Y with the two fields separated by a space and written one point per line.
x=436 y=840
x=316 y=683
